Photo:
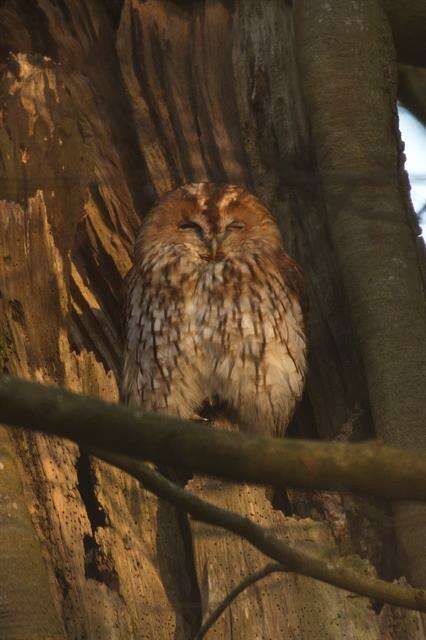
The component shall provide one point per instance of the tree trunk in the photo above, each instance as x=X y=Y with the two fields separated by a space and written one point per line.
x=367 y=206
x=106 y=105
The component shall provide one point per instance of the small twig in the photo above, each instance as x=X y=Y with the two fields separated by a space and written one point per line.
x=247 y=582
x=294 y=560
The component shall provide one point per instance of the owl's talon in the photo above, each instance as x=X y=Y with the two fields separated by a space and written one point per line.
x=195 y=418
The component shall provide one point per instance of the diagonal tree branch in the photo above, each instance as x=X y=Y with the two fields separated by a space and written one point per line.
x=292 y=559
x=90 y=422
x=368 y=469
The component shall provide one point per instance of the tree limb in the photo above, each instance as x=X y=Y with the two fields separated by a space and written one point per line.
x=294 y=560
x=408 y=21
x=89 y=421
x=368 y=469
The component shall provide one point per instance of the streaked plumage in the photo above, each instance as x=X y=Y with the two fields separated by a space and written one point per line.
x=213 y=310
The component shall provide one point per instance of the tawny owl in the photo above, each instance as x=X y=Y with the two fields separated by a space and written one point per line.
x=214 y=310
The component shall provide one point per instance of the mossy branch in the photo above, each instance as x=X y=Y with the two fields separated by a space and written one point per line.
x=368 y=469
x=107 y=428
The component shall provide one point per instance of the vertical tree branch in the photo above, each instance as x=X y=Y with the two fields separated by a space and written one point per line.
x=348 y=71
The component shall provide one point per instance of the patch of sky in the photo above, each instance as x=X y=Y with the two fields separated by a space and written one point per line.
x=414 y=136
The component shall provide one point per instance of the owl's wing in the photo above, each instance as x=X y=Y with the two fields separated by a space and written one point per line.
x=294 y=278
x=133 y=294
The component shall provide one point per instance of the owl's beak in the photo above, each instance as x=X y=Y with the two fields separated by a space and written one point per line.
x=213 y=247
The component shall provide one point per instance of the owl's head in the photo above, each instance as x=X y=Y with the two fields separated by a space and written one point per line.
x=210 y=222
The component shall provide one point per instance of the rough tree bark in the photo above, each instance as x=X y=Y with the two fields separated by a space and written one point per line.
x=367 y=205
x=104 y=106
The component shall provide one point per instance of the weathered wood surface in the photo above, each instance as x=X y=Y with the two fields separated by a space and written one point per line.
x=102 y=109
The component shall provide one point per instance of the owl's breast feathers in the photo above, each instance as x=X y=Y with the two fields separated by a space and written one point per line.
x=232 y=329
x=214 y=309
